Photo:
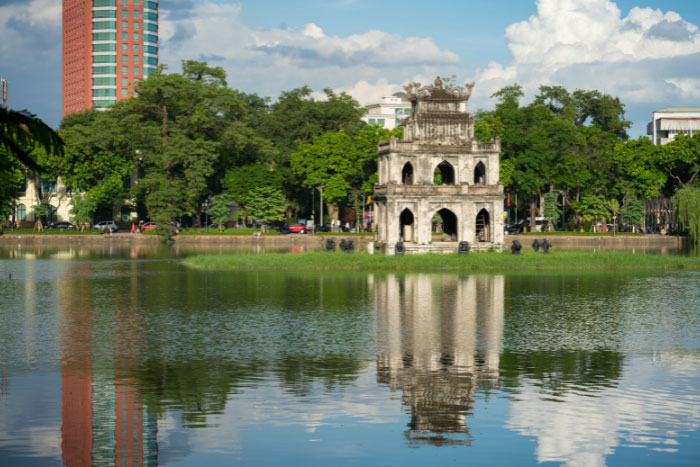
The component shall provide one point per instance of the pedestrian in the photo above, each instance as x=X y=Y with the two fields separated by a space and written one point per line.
x=133 y=227
x=141 y=226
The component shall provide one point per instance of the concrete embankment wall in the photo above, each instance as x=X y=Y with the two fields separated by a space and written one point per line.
x=651 y=243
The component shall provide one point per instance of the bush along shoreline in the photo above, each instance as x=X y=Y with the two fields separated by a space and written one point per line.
x=561 y=260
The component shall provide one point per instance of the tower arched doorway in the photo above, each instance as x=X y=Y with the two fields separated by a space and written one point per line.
x=407 y=226
x=445 y=221
x=483 y=226
x=444 y=174
x=407 y=174
x=480 y=174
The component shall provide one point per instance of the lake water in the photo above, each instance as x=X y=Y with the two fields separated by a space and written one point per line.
x=123 y=358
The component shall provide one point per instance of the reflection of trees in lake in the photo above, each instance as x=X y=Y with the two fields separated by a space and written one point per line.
x=212 y=333
x=439 y=338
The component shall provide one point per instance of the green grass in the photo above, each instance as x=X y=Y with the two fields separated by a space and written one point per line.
x=583 y=234
x=51 y=232
x=483 y=261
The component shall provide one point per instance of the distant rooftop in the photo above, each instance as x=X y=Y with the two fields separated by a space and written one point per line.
x=678 y=110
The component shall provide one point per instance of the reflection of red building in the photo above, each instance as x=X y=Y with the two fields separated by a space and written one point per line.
x=104 y=421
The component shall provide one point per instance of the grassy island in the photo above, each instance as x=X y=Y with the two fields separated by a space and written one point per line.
x=482 y=261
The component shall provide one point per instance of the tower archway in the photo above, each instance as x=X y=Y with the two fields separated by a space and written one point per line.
x=480 y=174
x=407 y=174
x=406 y=226
x=444 y=174
x=446 y=222
x=483 y=226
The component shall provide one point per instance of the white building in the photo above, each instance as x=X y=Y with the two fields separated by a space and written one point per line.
x=390 y=112
x=667 y=123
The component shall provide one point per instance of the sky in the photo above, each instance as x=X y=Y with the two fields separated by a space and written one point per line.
x=646 y=52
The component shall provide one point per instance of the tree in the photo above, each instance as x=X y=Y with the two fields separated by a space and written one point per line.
x=220 y=210
x=552 y=211
x=593 y=209
x=267 y=203
x=21 y=132
x=680 y=159
x=632 y=211
x=687 y=205
x=613 y=207
x=326 y=163
x=83 y=209
x=241 y=182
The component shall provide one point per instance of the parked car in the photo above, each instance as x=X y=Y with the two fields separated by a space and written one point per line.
x=516 y=228
x=61 y=225
x=297 y=228
x=149 y=226
x=104 y=225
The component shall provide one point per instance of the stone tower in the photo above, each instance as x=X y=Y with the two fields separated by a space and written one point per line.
x=438 y=177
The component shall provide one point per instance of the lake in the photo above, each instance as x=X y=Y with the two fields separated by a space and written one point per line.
x=111 y=357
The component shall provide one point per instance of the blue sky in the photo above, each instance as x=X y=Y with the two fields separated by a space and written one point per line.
x=647 y=52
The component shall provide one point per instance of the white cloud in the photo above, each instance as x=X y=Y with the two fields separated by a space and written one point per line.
x=269 y=61
x=29 y=25
x=647 y=56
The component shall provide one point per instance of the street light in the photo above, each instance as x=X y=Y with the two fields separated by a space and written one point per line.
x=205 y=207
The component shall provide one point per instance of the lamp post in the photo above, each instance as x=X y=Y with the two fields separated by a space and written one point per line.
x=205 y=207
x=320 y=189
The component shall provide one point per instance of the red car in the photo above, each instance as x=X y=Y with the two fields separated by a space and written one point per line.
x=297 y=228
x=149 y=226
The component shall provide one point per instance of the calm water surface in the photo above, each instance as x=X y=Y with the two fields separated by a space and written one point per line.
x=123 y=358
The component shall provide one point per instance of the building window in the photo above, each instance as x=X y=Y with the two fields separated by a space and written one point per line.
x=380 y=121
x=125 y=24
x=103 y=81
x=21 y=212
x=125 y=36
x=136 y=47
x=104 y=36
x=52 y=214
x=104 y=25
x=136 y=2
x=104 y=14
x=104 y=59
x=104 y=70
x=136 y=70
x=151 y=27
x=124 y=2
x=372 y=120
x=125 y=92
x=136 y=58
x=149 y=49
x=125 y=81
x=150 y=38
x=104 y=47
x=136 y=14
x=48 y=186
x=125 y=47
x=151 y=5
x=136 y=25
x=104 y=3
x=150 y=16
x=125 y=59
x=125 y=14
x=136 y=36
x=125 y=70
x=103 y=92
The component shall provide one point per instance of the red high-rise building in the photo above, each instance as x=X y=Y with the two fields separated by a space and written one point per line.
x=107 y=46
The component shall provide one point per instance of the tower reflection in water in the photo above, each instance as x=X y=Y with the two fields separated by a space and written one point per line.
x=103 y=419
x=439 y=339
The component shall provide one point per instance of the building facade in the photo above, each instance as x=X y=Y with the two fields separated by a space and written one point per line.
x=666 y=124
x=390 y=112
x=438 y=174
x=108 y=45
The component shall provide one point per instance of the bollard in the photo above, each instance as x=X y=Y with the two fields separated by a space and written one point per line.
x=347 y=246
x=536 y=245
x=330 y=245
x=400 y=250
x=546 y=246
x=516 y=247
x=463 y=248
